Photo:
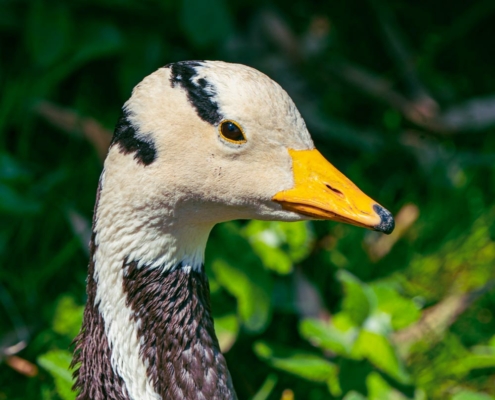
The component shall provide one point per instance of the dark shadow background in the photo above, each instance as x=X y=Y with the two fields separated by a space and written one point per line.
x=398 y=95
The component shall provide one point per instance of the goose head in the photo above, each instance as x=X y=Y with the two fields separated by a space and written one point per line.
x=203 y=142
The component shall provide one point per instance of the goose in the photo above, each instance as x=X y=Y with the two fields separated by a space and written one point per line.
x=197 y=143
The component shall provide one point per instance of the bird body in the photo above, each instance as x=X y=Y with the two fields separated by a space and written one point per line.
x=198 y=143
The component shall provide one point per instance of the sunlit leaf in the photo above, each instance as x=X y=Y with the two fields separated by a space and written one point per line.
x=226 y=329
x=305 y=365
x=359 y=299
x=266 y=242
x=378 y=350
x=279 y=244
x=266 y=389
x=68 y=317
x=470 y=395
x=379 y=389
x=253 y=295
x=239 y=271
x=57 y=362
x=473 y=361
x=327 y=336
x=402 y=311
x=352 y=395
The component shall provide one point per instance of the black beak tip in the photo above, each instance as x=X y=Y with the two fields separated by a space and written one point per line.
x=387 y=223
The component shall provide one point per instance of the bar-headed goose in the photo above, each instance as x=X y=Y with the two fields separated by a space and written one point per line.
x=198 y=143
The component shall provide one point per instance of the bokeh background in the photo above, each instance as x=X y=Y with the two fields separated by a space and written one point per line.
x=399 y=95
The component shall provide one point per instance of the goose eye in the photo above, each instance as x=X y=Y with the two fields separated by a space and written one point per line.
x=232 y=132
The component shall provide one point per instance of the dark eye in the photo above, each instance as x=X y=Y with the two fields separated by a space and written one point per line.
x=232 y=132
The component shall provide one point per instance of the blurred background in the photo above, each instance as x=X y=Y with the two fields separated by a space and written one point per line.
x=398 y=95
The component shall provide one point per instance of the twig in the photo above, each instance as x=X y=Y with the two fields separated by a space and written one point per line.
x=378 y=246
x=382 y=90
x=323 y=128
x=473 y=115
x=437 y=319
x=21 y=332
x=402 y=56
x=279 y=32
x=72 y=123
x=467 y=20
x=22 y=366
x=81 y=228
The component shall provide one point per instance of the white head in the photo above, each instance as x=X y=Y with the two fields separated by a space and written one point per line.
x=203 y=142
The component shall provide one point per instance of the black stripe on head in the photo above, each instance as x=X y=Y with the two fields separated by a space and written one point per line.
x=200 y=93
x=126 y=136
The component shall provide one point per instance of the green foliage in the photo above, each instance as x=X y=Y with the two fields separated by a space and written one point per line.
x=252 y=295
x=206 y=22
x=305 y=365
x=57 y=362
x=309 y=306
x=68 y=317
x=264 y=392
x=469 y=395
x=279 y=245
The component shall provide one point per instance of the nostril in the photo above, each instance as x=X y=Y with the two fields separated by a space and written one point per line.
x=337 y=191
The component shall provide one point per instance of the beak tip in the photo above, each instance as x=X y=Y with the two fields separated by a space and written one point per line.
x=387 y=223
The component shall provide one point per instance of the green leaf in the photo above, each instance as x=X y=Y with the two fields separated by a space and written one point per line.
x=469 y=395
x=266 y=389
x=352 y=395
x=327 y=336
x=359 y=300
x=242 y=276
x=402 y=311
x=379 y=352
x=68 y=317
x=379 y=389
x=473 y=361
x=253 y=298
x=57 y=363
x=298 y=238
x=226 y=329
x=206 y=22
x=279 y=244
x=266 y=243
x=305 y=365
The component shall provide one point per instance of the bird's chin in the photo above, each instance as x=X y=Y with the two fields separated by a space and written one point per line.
x=307 y=211
x=274 y=212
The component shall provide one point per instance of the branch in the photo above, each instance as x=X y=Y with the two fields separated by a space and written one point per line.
x=72 y=123
x=396 y=44
x=438 y=318
x=379 y=245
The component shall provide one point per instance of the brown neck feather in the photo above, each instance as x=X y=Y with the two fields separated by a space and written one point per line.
x=177 y=334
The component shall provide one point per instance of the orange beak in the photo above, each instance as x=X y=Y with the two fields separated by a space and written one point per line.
x=321 y=191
